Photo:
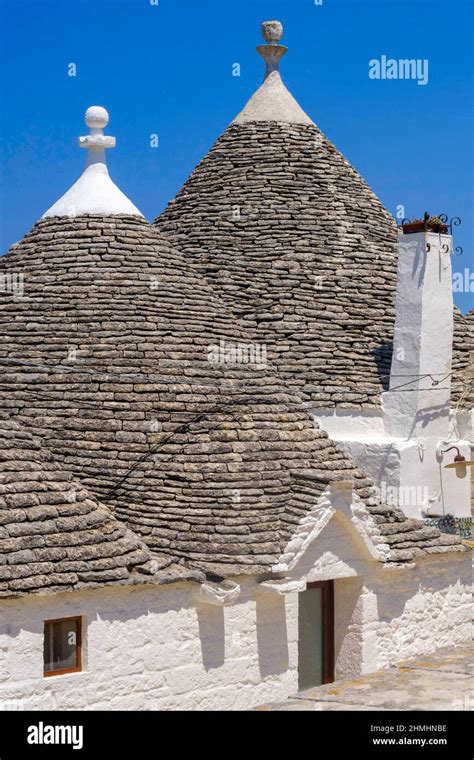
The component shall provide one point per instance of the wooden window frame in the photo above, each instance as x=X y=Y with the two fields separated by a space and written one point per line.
x=328 y=628
x=78 y=666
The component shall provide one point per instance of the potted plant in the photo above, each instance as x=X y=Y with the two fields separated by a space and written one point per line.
x=427 y=224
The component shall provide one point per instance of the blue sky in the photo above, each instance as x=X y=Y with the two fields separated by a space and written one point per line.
x=167 y=69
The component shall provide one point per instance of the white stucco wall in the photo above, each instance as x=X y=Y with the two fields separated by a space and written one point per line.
x=409 y=473
x=155 y=648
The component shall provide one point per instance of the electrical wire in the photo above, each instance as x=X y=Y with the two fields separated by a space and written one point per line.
x=108 y=373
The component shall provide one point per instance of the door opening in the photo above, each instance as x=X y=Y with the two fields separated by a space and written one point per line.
x=316 y=635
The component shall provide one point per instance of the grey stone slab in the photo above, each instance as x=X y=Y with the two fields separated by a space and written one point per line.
x=440 y=681
x=458 y=660
x=308 y=705
x=398 y=689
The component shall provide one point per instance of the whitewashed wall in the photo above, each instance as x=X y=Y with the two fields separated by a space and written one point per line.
x=154 y=648
x=409 y=473
x=386 y=615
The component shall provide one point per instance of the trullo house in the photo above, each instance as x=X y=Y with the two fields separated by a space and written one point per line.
x=177 y=530
x=303 y=253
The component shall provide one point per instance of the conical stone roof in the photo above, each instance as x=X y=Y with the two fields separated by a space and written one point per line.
x=301 y=250
x=105 y=357
x=124 y=363
x=297 y=244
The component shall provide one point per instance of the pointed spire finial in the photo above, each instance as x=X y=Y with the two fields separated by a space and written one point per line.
x=272 y=52
x=272 y=101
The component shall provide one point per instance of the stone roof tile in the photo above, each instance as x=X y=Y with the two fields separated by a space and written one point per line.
x=54 y=535
x=114 y=357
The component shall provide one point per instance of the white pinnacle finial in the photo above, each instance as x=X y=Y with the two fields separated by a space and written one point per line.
x=94 y=192
x=96 y=119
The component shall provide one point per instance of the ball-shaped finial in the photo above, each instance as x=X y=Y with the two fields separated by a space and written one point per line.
x=97 y=117
x=272 y=31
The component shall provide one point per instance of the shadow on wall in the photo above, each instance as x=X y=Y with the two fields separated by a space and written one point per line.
x=266 y=628
x=428 y=414
x=383 y=360
x=212 y=635
x=271 y=630
x=272 y=635
x=433 y=582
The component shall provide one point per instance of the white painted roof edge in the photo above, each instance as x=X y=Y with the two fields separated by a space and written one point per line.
x=94 y=192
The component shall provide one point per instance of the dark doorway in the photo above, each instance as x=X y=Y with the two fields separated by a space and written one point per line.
x=316 y=635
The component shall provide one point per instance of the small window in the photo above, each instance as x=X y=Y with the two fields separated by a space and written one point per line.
x=62 y=646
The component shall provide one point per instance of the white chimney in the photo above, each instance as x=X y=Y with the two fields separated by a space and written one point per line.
x=418 y=402
x=411 y=456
